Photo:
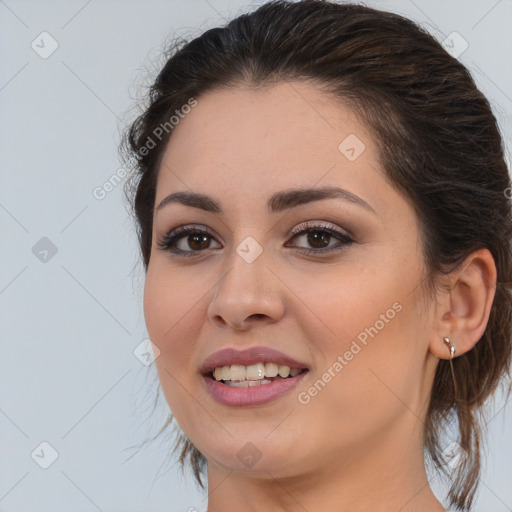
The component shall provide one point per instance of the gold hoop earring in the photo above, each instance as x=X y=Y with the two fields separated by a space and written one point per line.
x=452 y=348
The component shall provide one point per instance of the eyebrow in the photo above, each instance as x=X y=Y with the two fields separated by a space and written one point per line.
x=278 y=202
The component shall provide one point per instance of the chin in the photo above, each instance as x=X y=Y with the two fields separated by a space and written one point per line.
x=257 y=457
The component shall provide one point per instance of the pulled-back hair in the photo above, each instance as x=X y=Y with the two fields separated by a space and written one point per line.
x=438 y=142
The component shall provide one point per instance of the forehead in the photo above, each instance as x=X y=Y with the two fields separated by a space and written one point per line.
x=283 y=135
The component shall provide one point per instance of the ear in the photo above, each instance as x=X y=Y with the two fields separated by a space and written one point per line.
x=464 y=305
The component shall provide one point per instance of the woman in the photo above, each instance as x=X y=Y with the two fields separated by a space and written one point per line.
x=322 y=208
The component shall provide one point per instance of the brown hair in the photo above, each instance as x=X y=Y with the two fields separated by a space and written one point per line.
x=439 y=145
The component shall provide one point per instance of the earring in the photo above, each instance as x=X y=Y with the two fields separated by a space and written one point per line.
x=452 y=348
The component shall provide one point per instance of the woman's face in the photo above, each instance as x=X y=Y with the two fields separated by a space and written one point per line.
x=332 y=281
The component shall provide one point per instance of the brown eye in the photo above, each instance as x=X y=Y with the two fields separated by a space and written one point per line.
x=186 y=241
x=198 y=242
x=318 y=239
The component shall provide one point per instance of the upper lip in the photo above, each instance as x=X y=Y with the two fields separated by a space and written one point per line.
x=248 y=356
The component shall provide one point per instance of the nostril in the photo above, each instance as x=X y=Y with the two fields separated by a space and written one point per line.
x=258 y=315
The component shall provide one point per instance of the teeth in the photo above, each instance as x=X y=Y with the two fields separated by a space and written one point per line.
x=254 y=373
x=238 y=372
x=271 y=370
x=284 y=371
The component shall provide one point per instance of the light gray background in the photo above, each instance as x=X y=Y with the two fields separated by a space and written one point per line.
x=70 y=324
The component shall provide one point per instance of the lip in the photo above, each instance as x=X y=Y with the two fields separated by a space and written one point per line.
x=250 y=396
x=252 y=355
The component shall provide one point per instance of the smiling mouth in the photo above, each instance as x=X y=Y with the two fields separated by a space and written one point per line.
x=240 y=376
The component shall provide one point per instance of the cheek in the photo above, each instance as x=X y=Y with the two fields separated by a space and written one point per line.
x=342 y=302
x=167 y=300
x=371 y=320
x=363 y=387
x=170 y=311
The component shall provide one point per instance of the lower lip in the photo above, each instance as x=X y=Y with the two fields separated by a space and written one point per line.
x=252 y=395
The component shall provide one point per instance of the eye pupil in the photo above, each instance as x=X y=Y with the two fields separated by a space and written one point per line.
x=201 y=240
x=319 y=237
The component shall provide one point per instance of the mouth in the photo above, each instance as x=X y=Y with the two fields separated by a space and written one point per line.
x=252 y=376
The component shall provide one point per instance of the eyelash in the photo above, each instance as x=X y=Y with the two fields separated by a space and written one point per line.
x=170 y=239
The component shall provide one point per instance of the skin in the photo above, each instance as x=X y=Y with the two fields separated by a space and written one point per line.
x=357 y=444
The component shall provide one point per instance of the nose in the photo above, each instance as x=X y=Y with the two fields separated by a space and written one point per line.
x=248 y=294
